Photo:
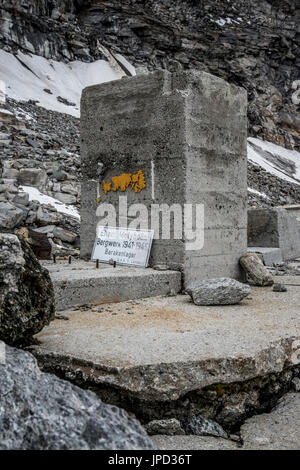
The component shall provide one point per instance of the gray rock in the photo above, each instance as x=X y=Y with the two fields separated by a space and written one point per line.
x=59 y=175
x=257 y=273
x=47 y=217
x=222 y=291
x=279 y=288
x=70 y=188
x=8 y=187
x=41 y=412
x=11 y=173
x=26 y=291
x=296 y=384
x=64 y=235
x=65 y=198
x=48 y=229
x=32 y=177
x=201 y=426
x=168 y=427
x=10 y=215
x=21 y=198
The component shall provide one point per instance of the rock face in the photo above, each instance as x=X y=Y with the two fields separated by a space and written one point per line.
x=223 y=291
x=41 y=412
x=256 y=48
x=277 y=430
x=257 y=273
x=26 y=292
x=201 y=426
x=41 y=158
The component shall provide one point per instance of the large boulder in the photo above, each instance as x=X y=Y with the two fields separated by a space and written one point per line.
x=10 y=215
x=38 y=411
x=222 y=291
x=26 y=291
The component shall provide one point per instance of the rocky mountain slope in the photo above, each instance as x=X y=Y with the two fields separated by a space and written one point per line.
x=50 y=50
x=252 y=44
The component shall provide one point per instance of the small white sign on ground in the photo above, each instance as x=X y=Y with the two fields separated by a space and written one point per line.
x=123 y=245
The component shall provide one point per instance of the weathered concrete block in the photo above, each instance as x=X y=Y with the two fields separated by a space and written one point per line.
x=274 y=227
x=186 y=132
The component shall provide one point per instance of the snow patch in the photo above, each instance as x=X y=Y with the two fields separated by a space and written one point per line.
x=257 y=193
x=276 y=160
x=224 y=21
x=5 y=111
x=26 y=76
x=36 y=195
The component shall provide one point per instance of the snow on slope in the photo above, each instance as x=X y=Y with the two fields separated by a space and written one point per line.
x=36 y=195
x=27 y=75
x=274 y=159
x=258 y=193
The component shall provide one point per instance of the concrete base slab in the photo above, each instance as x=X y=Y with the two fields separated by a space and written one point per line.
x=269 y=256
x=159 y=351
x=193 y=443
x=82 y=283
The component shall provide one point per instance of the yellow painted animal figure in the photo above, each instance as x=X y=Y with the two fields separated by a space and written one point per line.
x=122 y=182
x=138 y=181
x=106 y=187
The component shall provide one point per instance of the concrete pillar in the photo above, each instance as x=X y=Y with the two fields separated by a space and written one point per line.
x=187 y=133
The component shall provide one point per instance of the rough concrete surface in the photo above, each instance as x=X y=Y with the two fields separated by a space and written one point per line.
x=193 y=443
x=81 y=283
x=161 y=348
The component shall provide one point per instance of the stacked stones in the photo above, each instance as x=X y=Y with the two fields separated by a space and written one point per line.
x=39 y=150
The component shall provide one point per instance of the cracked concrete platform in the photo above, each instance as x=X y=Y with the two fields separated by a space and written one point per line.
x=81 y=283
x=158 y=349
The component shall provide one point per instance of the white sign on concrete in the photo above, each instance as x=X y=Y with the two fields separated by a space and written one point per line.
x=123 y=245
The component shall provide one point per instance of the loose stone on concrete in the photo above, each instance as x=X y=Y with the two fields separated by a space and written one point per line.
x=223 y=291
x=193 y=443
x=279 y=288
x=168 y=427
x=256 y=272
x=277 y=430
x=201 y=426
